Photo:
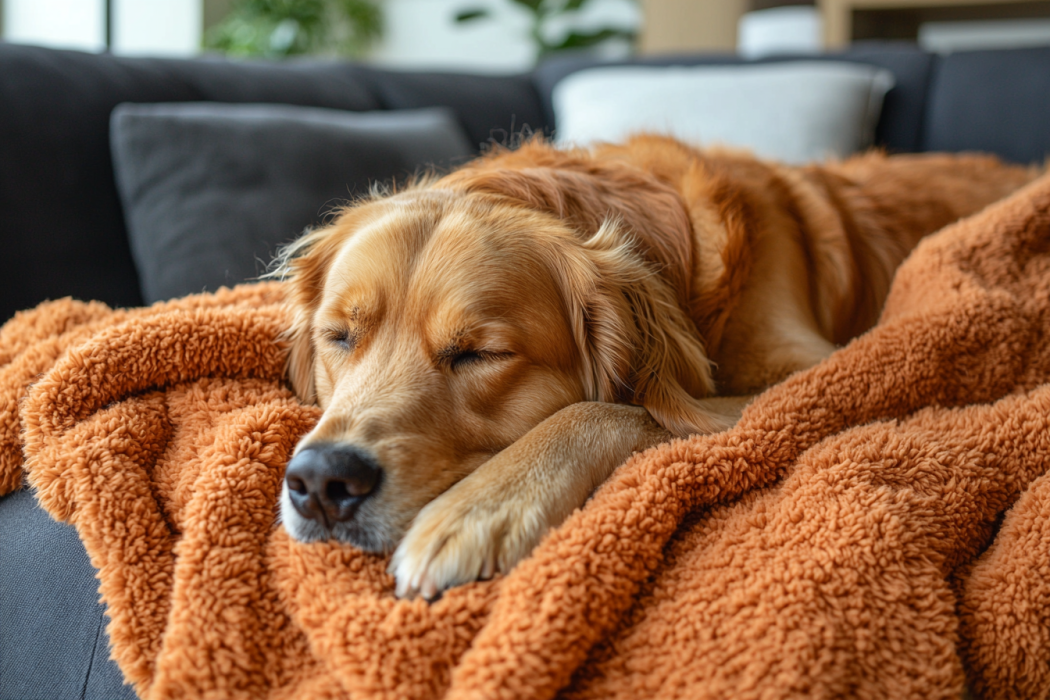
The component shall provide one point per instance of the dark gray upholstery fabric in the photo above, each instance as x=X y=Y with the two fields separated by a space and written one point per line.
x=61 y=227
x=993 y=101
x=899 y=128
x=491 y=108
x=900 y=125
x=53 y=644
x=212 y=190
x=105 y=681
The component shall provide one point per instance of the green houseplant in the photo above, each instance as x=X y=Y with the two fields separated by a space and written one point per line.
x=279 y=28
x=543 y=13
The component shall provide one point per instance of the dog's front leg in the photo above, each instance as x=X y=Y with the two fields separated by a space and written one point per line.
x=495 y=516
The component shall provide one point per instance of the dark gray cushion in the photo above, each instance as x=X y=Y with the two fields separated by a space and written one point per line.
x=211 y=190
x=993 y=101
x=53 y=642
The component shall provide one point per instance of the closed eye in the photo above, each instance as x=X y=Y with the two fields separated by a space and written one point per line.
x=341 y=338
x=468 y=357
x=462 y=359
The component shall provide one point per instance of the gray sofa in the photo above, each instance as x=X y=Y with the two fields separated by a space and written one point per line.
x=63 y=232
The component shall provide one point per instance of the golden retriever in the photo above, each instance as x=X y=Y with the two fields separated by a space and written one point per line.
x=487 y=347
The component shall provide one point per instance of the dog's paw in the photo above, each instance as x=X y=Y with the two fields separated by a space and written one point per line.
x=459 y=538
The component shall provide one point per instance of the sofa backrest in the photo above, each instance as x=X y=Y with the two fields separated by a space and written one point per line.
x=61 y=226
x=900 y=125
x=992 y=101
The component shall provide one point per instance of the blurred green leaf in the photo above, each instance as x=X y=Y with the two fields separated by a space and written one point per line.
x=543 y=11
x=470 y=15
x=365 y=21
x=584 y=40
x=278 y=28
x=533 y=6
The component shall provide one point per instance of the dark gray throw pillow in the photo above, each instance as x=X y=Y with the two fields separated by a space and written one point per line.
x=211 y=190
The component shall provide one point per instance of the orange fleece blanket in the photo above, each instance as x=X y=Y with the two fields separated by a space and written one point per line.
x=878 y=526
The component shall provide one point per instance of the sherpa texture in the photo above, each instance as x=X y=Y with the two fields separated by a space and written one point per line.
x=877 y=526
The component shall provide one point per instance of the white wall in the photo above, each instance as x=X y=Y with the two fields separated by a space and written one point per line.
x=423 y=34
x=140 y=27
x=65 y=24
x=157 y=27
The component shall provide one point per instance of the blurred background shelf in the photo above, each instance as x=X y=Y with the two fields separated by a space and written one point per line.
x=1010 y=22
x=432 y=34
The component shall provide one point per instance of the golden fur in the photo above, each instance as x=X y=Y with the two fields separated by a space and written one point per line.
x=501 y=338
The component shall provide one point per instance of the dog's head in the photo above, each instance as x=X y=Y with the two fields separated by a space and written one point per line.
x=437 y=326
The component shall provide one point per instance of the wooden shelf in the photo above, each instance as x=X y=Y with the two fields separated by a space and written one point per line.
x=838 y=14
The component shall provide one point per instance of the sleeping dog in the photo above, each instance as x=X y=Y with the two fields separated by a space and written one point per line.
x=488 y=346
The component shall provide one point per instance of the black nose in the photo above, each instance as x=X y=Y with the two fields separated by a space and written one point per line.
x=327 y=483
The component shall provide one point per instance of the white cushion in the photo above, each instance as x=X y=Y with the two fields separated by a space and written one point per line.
x=796 y=111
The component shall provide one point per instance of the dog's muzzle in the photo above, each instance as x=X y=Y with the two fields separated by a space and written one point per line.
x=327 y=483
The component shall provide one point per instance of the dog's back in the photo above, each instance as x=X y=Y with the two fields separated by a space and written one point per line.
x=780 y=249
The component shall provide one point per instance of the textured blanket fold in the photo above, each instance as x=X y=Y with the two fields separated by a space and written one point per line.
x=877 y=526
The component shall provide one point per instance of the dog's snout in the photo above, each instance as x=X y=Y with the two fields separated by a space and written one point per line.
x=327 y=483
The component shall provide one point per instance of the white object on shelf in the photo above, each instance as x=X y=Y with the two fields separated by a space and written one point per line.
x=780 y=30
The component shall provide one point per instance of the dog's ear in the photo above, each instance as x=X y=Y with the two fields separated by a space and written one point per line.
x=304 y=263
x=637 y=343
x=300 y=367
